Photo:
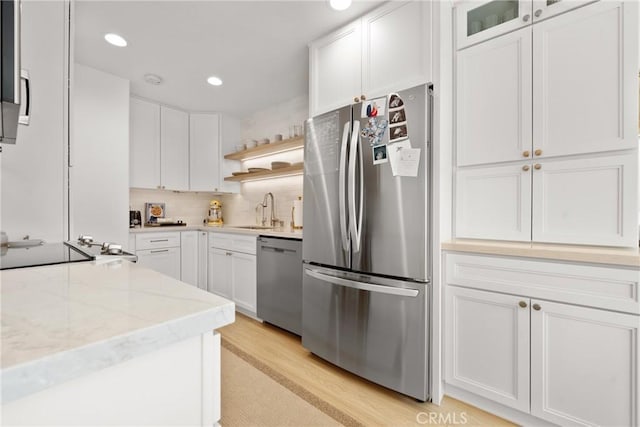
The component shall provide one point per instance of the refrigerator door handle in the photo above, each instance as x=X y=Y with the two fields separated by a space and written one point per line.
x=405 y=292
x=344 y=234
x=353 y=152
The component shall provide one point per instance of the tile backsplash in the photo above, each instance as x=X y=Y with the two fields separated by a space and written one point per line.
x=189 y=207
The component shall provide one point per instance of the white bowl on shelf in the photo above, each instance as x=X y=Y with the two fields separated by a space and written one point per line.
x=241 y=147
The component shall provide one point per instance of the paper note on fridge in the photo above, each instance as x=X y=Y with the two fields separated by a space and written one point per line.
x=404 y=161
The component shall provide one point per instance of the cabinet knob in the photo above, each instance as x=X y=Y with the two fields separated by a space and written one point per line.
x=537 y=166
x=356 y=99
x=538 y=152
x=163 y=187
x=526 y=17
x=362 y=97
x=536 y=307
x=525 y=168
x=526 y=153
x=522 y=304
x=158 y=186
x=537 y=13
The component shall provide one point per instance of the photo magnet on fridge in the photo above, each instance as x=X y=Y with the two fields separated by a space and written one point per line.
x=374 y=108
x=380 y=154
x=397 y=133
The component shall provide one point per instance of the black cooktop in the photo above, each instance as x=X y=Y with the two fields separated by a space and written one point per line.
x=45 y=254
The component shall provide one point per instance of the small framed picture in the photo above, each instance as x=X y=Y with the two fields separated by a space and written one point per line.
x=380 y=154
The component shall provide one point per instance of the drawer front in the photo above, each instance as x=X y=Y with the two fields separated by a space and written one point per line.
x=221 y=241
x=588 y=285
x=246 y=244
x=233 y=242
x=157 y=240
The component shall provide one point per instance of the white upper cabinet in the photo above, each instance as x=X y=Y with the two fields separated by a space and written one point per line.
x=174 y=149
x=494 y=203
x=586 y=200
x=493 y=104
x=585 y=85
x=335 y=69
x=158 y=147
x=476 y=22
x=396 y=47
x=566 y=85
x=144 y=144
x=386 y=50
x=205 y=152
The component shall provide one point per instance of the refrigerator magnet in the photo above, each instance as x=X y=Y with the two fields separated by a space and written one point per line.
x=380 y=154
x=397 y=133
x=397 y=116
x=374 y=130
x=373 y=108
x=395 y=101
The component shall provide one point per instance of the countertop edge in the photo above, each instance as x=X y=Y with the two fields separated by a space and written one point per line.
x=31 y=377
x=622 y=257
x=220 y=229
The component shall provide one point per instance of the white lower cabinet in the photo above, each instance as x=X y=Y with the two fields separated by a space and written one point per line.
x=160 y=251
x=488 y=345
x=203 y=248
x=584 y=365
x=220 y=281
x=232 y=269
x=567 y=364
x=164 y=260
x=189 y=259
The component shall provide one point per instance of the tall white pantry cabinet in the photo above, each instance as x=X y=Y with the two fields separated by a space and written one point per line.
x=546 y=127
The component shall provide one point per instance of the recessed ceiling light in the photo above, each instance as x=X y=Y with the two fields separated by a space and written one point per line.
x=115 y=40
x=214 y=81
x=340 y=4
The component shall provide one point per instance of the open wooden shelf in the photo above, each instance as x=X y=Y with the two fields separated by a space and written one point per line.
x=267 y=149
x=252 y=176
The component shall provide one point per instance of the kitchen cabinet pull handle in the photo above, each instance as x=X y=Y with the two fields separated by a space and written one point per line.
x=356 y=99
x=26 y=117
x=228 y=254
x=538 y=152
x=537 y=166
x=536 y=307
x=363 y=98
x=159 y=250
x=522 y=304
x=526 y=17
x=161 y=240
x=538 y=13
x=525 y=153
x=525 y=168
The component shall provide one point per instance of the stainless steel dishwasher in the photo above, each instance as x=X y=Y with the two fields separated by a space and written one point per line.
x=280 y=282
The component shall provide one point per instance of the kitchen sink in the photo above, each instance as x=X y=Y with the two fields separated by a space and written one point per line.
x=253 y=227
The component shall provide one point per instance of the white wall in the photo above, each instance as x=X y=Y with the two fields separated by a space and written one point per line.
x=99 y=172
x=32 y=174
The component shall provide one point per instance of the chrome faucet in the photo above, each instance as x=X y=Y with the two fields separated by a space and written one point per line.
x=272 y=219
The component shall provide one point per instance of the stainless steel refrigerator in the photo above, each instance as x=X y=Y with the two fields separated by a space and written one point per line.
x=366 y=258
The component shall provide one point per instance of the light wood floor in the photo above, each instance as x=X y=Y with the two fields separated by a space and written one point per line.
x=366 y=402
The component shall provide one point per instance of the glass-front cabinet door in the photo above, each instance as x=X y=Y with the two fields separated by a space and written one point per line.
x=543 y=9
x=481 y=21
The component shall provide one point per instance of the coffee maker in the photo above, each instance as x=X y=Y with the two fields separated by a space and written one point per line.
x=135 y=219
x=215 y=213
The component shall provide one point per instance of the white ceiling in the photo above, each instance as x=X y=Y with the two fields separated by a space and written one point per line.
x=258 y=48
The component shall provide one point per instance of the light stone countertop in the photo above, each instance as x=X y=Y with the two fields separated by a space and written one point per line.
x=286 y=233
x=64 y=321
x=627 y=257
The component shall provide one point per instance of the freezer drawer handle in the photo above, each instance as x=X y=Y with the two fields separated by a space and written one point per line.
x=405 y=292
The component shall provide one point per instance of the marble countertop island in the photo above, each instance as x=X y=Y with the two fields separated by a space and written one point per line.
x=64 y=321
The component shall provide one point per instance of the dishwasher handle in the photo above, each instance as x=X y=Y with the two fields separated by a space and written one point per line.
x=274 y=249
